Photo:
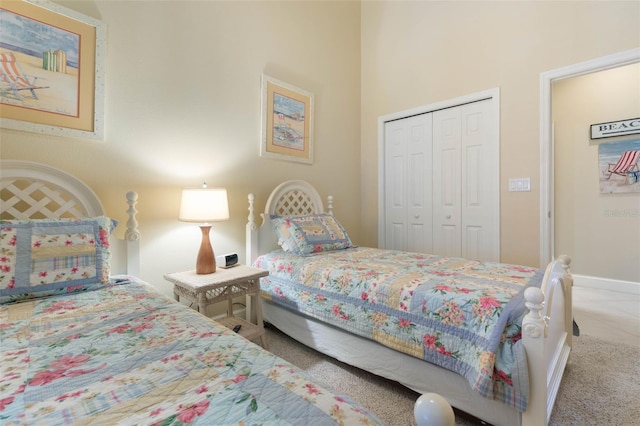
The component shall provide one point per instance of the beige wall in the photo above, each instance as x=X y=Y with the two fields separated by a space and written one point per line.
x=418 y=53
x=183 y=101
x=601 y=231
x=183 y=106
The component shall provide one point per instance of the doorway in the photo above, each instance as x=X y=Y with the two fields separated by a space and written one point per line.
x=547 y=241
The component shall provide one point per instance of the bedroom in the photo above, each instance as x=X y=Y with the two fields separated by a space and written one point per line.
x=166 y=129
x=160 y=128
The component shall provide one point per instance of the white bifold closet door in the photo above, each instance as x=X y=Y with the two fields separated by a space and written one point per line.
x=408 y=186
x=441 y=183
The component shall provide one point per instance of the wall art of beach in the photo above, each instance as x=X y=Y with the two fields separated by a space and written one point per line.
x=28 y=40
x=609 y=153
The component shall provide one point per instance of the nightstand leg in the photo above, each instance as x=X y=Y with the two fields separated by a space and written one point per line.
x=202 y=303
x=248 y=302
x=259 y=322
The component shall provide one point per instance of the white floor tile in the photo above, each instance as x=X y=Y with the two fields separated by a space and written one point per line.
x=609 y=315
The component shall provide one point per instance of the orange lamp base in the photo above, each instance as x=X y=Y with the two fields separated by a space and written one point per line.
x=206 y=262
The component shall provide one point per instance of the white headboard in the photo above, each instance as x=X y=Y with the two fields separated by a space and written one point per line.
x=290 y=198
x=31 y=190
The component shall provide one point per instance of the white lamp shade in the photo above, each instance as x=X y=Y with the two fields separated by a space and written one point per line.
x=204 y=205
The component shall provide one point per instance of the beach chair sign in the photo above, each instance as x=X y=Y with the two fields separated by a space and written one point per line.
x=13 y=80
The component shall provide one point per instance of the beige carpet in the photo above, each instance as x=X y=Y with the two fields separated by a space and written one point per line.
x=601 y=386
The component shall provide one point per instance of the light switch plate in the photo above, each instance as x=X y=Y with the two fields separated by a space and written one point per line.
x=519 y=184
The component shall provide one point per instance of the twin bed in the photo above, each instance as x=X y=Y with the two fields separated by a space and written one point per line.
x=492 y=338
x=85 y=341
x=80 y=344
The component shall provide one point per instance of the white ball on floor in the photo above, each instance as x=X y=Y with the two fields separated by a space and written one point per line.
x=433 y=410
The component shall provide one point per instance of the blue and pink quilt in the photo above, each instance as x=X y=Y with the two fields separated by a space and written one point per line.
x=125 y=354
x=459 y=314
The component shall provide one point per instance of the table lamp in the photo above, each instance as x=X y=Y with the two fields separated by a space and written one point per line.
x=204 y=205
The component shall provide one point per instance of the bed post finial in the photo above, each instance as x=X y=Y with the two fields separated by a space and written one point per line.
x=132 y=233
x=330 y=204
x=432 y=409
x=565 y=262
x=251 y=223
x=533 y=324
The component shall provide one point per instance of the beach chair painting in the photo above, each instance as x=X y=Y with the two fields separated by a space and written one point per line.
x=621 y=159
x=627 y=163
x=13 y=80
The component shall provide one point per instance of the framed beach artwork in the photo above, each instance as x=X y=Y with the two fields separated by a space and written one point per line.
x=619 y=166
x=51 y=70
x=287 y=121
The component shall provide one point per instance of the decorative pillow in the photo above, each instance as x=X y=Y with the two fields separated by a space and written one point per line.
x=310 y=234
x=41 y=257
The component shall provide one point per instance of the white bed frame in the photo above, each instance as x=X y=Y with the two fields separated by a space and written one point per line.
x=38 y=191
x=546 y=332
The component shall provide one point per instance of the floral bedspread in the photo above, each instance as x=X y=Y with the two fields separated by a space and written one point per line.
x=125 y=354
x=459 y=314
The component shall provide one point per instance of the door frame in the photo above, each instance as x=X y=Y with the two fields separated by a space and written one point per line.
x=490 y=94
x=547 y=210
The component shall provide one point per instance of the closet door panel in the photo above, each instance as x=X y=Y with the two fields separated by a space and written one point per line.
x=446 y=181
x=473 y=238
x=419 y=238
x=395 y=198
x=408 y=184
x=479 y=193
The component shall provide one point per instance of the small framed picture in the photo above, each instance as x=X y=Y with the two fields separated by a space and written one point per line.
x=287 y=122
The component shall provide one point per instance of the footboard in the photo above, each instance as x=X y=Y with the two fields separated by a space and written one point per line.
x=547 y=332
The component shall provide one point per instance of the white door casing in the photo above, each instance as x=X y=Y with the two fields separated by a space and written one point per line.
x=546 y=137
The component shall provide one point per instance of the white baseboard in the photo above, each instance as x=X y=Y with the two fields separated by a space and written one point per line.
x=606 y=284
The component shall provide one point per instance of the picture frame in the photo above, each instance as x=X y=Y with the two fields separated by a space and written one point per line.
x=52 y=70
x=287 y=121
x=619 y=166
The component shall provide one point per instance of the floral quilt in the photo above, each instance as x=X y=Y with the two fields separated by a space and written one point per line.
x=125 y=354
x=460 y=314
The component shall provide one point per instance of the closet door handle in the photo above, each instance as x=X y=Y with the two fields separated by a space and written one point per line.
x=448 y=216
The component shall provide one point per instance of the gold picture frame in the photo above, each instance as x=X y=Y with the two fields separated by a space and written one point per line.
x=51 y=70
x=287 y=121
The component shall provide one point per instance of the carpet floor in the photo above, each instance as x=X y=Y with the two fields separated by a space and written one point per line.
x=600 y=386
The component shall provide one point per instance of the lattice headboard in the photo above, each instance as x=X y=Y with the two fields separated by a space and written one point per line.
x=31 y=190
x=294 y=197
x=35 y=191
x=290 y=198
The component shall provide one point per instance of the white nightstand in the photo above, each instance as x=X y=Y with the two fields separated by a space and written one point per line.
x=223 y=285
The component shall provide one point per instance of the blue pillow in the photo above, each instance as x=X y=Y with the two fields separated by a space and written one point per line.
x=41 y=257
x=309 y=234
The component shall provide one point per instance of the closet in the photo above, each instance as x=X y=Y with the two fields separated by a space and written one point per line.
x=441 y=182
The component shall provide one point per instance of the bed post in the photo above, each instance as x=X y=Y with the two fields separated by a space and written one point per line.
x=547 y=336
x=132 y=236
x=567 y=281
x=251 y=245
x=534 y=329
